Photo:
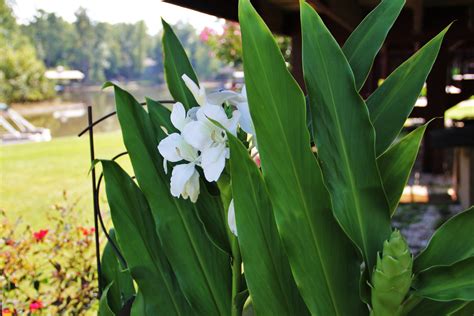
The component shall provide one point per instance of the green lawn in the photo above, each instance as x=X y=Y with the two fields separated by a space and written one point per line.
x=33 y=176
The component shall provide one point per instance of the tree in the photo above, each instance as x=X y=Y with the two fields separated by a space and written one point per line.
x=21 y=72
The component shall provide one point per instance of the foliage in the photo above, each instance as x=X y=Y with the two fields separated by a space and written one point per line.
x=110 y=51
x=51 y=270
x=227 y=45
x=311 y=224
x=21 y=72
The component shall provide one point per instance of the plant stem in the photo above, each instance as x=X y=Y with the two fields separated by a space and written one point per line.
x=410 y=303
x=236 y=309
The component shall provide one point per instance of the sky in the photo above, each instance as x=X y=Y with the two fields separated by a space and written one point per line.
x=117 y=11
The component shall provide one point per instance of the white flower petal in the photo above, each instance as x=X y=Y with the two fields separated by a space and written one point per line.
x=213 y=112
x=180 y=176
x=245 y=119
x=213 y=161
x=178 y=116
x=191 y=116
x=167 y=147
x=219 y=97
x=198 y=92
x=192 y=187
x=197 y=134
x=165 y=166
x=231 y=218
x=174 y=148
x=231 y=124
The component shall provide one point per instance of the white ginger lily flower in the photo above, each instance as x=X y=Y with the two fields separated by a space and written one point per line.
x=185 y=182
x=210 y=139
x=243 y=106
x=231 y=218
x=184 y=178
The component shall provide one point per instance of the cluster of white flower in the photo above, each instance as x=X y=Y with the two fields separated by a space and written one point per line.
x=200 y=141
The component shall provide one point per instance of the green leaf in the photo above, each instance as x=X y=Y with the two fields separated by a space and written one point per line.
x=141 y=248
x=176 y=63
x=327 y=279
x=345 y=139
x=213 y=216
x=451 y=243
x=366 y=40
x=466 y=310
x=122 y=288
x=203 y=270
x=266 y=266
x=435 y=308
x=391 y=104
x=449 y=283
x=396 y=163
x=160 y=118
x=104 y=308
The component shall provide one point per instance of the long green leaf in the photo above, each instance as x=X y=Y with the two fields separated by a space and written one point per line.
x=366 y=40
x=104 y=308
x=141 y=247
x=327 y=279
x=266 y=266
x=435 y=308
x=396 y=163
x=452 y=242
x=203 y=271
x=122 y=288
x=466 y=310
x=345 y=139
x=176 y=63
x=393 y=101
x=449 y=283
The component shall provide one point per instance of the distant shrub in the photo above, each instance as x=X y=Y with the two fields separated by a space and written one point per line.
x=49 y=271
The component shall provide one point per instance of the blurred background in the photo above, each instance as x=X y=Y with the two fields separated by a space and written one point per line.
x=56 y=54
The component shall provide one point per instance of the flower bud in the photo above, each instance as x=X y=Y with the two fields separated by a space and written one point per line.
x=392 y=277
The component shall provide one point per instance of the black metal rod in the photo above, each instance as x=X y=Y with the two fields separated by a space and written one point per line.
x=103 y=118
x=101 y=220
x=95 y=198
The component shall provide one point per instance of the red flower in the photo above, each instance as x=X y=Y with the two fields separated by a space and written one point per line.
x=87 y=231
x=9 y=242
x=39 y=235
x=36 y=305
x=7 y=312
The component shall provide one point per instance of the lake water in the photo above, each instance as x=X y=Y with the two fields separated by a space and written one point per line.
x=66 y=115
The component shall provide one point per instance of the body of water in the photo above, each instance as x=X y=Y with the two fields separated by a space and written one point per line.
x=66 y=115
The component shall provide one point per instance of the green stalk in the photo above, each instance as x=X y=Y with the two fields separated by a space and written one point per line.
x=236 y=277
x=225 y=189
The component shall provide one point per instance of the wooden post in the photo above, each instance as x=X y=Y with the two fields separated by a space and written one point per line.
x=437 y=104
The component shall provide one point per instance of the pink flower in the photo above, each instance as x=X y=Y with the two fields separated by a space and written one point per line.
x=40 y=235
x=36 y=305
x=205 y=34
x=257 y=161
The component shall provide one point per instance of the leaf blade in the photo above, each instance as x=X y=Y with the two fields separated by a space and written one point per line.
x=366 y=40
x=176 y=63
x=267 y=271
x=136 y=234
x=396 y=163
x=447 y=283
x=345 y=139
x=448 y=244
x=392 y=102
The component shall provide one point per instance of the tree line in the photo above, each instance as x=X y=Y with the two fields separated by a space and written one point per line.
x=102 y=51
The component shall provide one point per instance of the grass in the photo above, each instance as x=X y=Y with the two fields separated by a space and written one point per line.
x=33 y=176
